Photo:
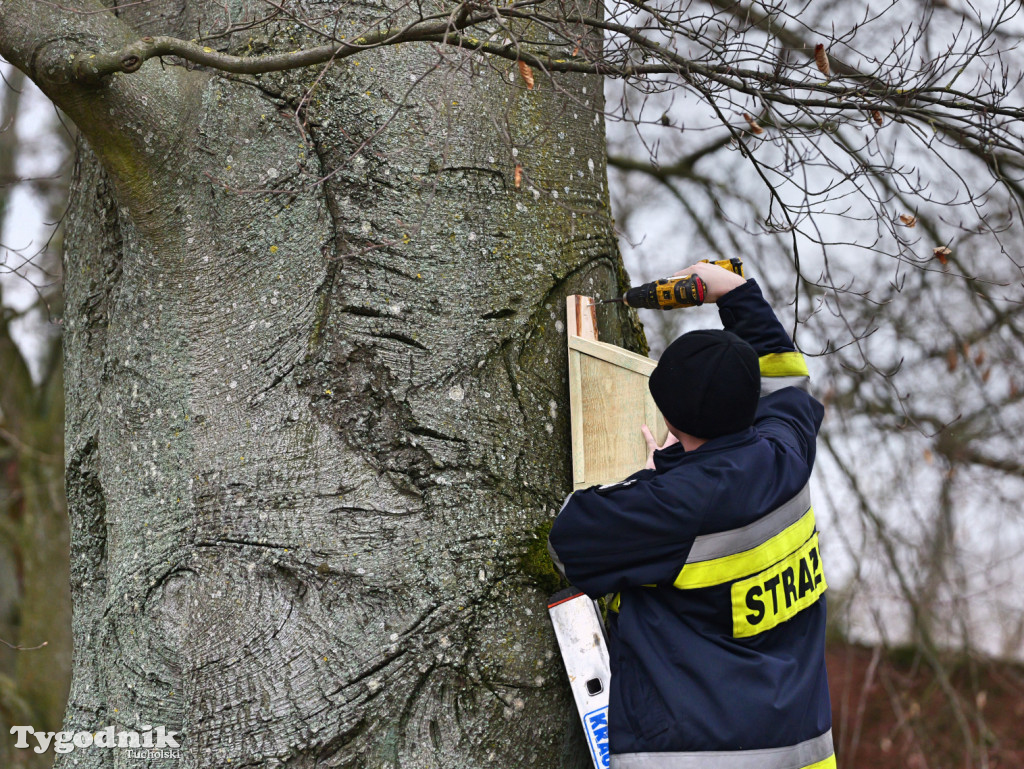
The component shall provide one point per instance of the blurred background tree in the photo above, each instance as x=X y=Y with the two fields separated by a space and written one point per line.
x=35 y=598
x=896 y=244
x=891 y=241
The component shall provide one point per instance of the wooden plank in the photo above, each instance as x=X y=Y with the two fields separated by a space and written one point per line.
x=613 y=354
x=573 y=322
x=609 y=401
x=613 y=410
x=587 y=318
x=581 y=320
x=576 y=420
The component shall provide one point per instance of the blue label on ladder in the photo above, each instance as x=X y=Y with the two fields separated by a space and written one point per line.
x=596 y=722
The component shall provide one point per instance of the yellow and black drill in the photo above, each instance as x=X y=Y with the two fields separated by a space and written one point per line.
x=670 y=293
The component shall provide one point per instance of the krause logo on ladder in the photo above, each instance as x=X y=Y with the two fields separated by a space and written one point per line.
x=581 y=639
x=596 y=726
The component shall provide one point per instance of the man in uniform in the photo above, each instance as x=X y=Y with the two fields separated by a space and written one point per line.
x=717 y=624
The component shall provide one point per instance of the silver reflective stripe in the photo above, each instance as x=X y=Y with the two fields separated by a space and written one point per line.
x=770 y=384
x=551 y=551
x=708 y=546
x=555 y=560
x=798 y=756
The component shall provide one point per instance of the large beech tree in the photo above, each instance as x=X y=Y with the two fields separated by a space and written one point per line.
x=316 y=401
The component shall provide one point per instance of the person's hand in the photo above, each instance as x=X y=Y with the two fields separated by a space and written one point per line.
x=652 y=445
x=719 y=280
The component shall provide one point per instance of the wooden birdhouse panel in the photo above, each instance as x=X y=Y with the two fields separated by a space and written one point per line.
x=609 y=401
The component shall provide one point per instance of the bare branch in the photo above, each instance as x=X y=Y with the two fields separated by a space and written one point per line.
x=93 y=68
x=19 y=648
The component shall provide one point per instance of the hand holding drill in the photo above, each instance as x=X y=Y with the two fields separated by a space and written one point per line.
x=687 y=288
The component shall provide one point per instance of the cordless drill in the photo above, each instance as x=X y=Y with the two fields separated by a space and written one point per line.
x=670 y=293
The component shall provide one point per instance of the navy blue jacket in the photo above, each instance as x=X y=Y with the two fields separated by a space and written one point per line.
x=725 y=655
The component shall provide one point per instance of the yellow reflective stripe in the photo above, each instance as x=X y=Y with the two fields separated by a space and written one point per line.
x=615 y=603
x=828 y=763
x=718 y=571
x=783 y=364
x=779 y=593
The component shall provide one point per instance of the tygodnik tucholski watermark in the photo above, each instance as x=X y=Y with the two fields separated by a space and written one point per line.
x=149 y=743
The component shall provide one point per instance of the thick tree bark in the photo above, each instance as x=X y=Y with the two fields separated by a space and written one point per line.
x=317 y=407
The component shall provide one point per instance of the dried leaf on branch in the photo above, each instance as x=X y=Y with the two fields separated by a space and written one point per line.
x=518 y=175
x=909 y=220
x=527 y=74
x=940 y=253
x=821 y=59
x=755 y=127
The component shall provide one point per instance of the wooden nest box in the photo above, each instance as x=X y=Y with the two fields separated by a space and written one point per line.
x=608 y=402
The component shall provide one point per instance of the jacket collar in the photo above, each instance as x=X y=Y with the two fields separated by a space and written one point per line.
x=676 y=455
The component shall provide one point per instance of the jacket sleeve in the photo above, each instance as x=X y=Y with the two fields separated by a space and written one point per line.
x=786 y=414
x=637 y=532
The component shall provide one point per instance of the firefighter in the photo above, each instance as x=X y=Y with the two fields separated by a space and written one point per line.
x=717 y=622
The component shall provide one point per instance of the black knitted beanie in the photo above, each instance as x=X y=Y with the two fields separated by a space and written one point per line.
x=707 y=383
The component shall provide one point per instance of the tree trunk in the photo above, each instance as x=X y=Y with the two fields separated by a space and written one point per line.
x=317 y=417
